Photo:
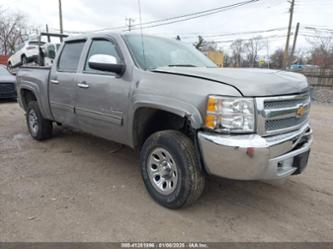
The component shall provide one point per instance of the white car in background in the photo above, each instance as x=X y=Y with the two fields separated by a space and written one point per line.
x=29 y=51
x=25 y=53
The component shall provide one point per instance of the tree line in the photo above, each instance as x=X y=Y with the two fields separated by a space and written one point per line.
x=13 y=30
x=250 y=52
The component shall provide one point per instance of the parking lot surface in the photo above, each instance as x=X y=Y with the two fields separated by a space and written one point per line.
x=76 y=187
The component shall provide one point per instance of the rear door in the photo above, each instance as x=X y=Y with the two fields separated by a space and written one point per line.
x=103 y=97
x=63 y=83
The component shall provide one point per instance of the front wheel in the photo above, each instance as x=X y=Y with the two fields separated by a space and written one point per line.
x=170 y=171
x=39 y=127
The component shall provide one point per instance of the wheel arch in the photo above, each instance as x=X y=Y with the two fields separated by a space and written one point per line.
x=152 y=117
x=27 y=95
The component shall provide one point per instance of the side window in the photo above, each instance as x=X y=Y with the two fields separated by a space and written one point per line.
x=101 y=47
x=70 y=56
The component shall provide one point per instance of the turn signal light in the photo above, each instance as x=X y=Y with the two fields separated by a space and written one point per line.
x=210 y=121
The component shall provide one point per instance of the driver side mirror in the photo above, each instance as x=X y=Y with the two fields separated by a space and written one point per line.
x=107 y=63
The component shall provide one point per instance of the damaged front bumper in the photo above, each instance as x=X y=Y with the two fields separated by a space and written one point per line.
x=253 y=157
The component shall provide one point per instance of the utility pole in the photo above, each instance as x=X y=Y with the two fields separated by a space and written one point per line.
x=286 y=50
x=268 y=57
x=130 y=23
x=47 y=31
x=60 y=20
x=295 y=40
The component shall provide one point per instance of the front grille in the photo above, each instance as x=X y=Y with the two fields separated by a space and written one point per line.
x=282 y=114
x=282 y=104
x=7 y=88
x=278 y=124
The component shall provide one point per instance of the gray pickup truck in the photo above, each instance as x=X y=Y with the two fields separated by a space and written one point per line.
x=188 y=118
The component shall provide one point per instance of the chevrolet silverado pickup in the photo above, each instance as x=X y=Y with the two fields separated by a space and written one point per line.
x=188 y=118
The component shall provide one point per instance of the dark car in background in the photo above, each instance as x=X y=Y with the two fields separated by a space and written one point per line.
x=7 y=84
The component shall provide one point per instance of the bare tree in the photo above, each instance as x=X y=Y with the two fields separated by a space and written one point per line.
x=251 y=48
x=322 y=52
x=300 y=56
x=205 y=46
x=13 y=30
x=277 y=58
x=227 y=60
x=237 y=48
x=200 y=43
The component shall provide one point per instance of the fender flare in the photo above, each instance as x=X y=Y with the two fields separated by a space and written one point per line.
x=175 y=106
x=35 y=90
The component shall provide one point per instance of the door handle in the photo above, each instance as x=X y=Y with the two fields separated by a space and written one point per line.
x=83 y=85
x=55 y=82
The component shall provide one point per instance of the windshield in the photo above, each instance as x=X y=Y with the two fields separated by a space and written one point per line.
x=162 y=52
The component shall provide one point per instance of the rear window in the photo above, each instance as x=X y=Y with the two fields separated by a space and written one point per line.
x=70 y=56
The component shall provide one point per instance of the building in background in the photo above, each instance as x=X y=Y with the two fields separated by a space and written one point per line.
x=216 y=56
x=3 y=59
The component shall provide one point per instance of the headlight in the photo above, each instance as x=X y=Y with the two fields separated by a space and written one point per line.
x=230 y=114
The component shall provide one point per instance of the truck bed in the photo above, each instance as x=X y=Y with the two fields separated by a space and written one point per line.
x=36 y=79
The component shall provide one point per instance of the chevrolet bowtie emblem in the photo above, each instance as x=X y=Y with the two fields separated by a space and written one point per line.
x=300 y=111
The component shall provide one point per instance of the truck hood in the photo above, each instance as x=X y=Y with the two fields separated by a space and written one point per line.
x=249 y=82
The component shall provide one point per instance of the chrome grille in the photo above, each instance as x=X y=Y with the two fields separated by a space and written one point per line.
x=282 y=114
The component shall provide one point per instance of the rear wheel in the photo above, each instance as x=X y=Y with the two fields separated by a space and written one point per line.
x=24 y=60
x=38 y=127
x=10 y=68
x=169 y=168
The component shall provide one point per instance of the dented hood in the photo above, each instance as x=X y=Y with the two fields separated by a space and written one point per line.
x=250 y=82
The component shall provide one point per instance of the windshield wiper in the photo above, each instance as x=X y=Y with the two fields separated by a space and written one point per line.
x=182 y=65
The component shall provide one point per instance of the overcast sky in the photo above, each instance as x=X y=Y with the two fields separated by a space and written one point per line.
x=87 y=15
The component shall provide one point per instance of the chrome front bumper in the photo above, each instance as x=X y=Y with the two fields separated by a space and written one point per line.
x=253 y=157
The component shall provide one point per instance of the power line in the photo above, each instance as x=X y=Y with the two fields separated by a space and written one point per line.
x=189 y=35
x=195 y=15
x=130 y=23
x=312 y=28
x=181 y=18
x=261 y=38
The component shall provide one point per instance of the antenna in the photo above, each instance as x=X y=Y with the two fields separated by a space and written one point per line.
x=142 y=42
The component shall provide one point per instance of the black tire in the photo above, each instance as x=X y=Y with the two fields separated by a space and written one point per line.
x=24 y=60
x=190 y=181
x=44 y=126
x=10 y=68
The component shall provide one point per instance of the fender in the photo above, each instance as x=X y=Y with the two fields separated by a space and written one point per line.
x=34 y=88
x=167 y=104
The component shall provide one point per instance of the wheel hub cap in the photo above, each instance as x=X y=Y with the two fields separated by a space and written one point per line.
x=162 y=171
x=33 y=121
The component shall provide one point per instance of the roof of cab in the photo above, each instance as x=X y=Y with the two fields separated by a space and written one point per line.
x=93 y=35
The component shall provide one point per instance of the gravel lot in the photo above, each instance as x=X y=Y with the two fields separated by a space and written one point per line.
x=75 y=187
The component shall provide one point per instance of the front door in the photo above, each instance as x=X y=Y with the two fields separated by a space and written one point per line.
x=63 y=83
x=102 y=101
